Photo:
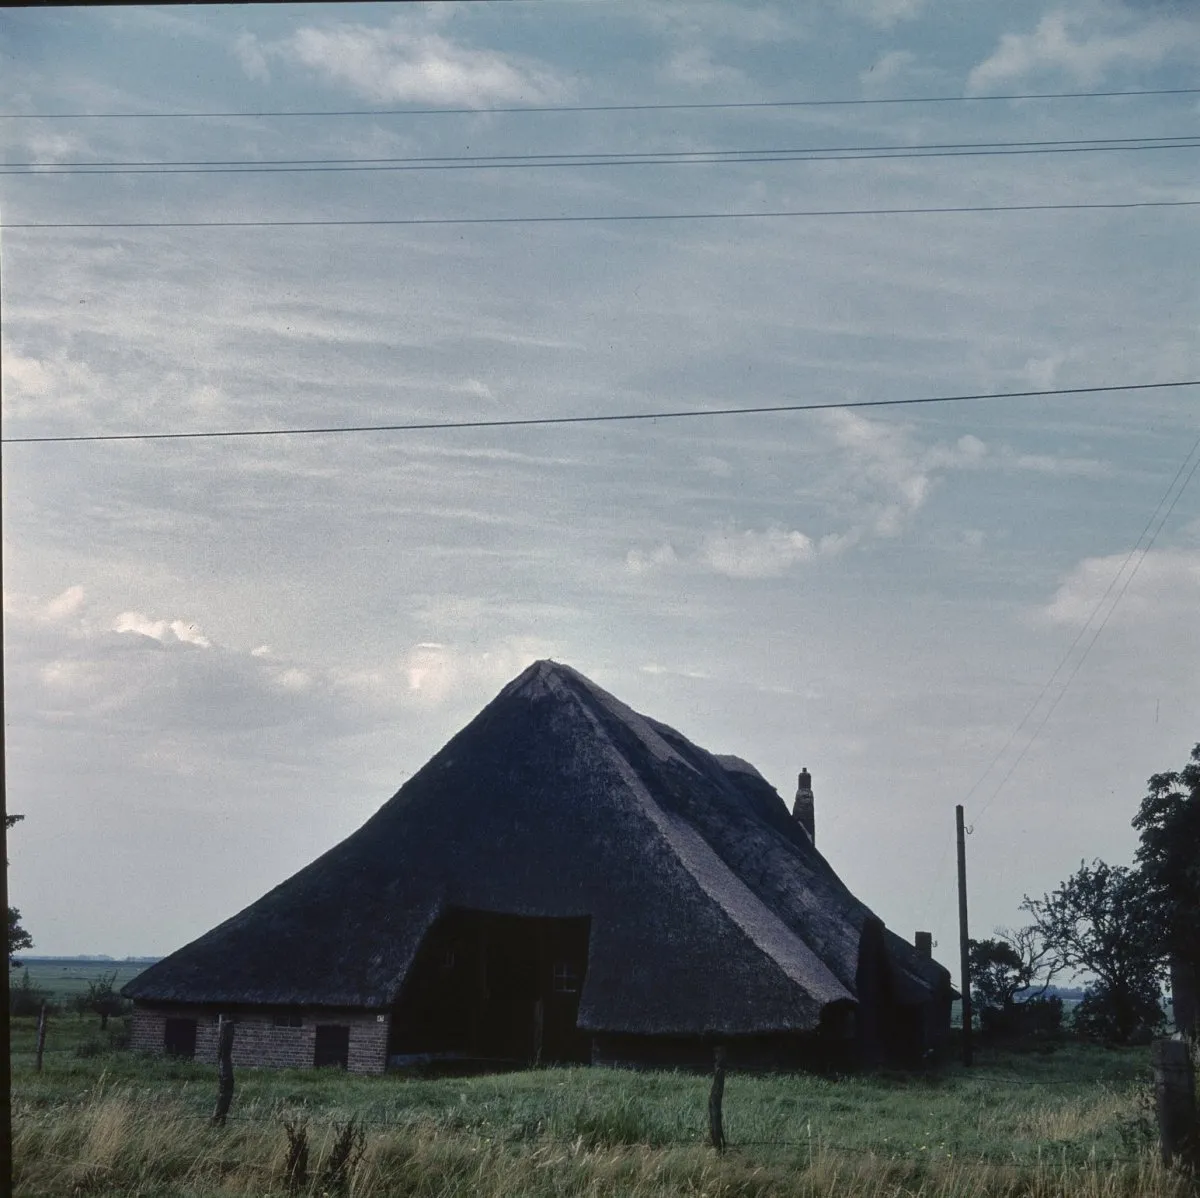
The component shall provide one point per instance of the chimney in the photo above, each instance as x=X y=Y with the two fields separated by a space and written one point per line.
x=803 y=811
x=924 y=943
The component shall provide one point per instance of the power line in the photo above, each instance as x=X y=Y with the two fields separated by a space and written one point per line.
x=614 y=418
x=594 y=219
x=1078 y=637
x=1103 y=623
x=585 y=108
x=599 y=158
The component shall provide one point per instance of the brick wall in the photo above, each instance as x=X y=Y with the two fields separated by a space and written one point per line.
x=258 y=1043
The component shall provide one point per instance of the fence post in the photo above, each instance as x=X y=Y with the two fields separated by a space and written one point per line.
x=224 y=1070
x=716 y=1128
x=1175 y=1099
x=41 y=1036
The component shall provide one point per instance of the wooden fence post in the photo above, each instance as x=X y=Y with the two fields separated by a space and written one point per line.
x=1175 y=1099
x=224 y=1070
x=41 y=1036
x=716 y=1127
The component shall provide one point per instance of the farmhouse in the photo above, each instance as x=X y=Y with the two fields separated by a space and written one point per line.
x=566 y=880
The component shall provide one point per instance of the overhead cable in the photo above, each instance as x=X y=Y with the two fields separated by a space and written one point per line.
x=368 y=222
x=517 y=110
x=599 y=418
x=606 y=159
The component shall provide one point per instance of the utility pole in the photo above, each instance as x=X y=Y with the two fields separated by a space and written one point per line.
x=964 y=942
x=5 y=1049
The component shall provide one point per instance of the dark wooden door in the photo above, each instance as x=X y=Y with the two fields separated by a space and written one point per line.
x=179 y=1038
x=332 y=1045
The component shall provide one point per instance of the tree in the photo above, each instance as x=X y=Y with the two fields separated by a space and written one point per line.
x=18 y=937
x=103 y=998
x=1101 y=922
x=1004 y=971
x=1169 y=857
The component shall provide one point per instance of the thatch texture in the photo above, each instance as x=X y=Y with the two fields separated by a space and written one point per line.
x=711 y=910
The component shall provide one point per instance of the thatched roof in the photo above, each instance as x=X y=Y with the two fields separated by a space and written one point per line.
x=711 y=910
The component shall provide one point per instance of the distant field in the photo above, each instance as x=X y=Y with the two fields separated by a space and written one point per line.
x=64 y=977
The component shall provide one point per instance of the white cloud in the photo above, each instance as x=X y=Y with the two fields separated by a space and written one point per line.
x=752 y=554
x=642 y=561
x=251 y=54
x=1166 y=587
x=29 y=375
x=405 y=62
x=1084 y=45
x=438 y=674
x=65 y=605
x=166 y=632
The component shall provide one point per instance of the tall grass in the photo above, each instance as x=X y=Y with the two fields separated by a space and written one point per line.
x=1070 y=1123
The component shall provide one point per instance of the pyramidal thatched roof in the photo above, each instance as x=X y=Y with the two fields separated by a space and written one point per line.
x=711 y=910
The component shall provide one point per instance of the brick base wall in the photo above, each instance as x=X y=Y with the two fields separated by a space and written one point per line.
x=258 y=1043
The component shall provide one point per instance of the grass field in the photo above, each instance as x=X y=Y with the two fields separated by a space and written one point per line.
x=65 y=977
x=1072 y=1122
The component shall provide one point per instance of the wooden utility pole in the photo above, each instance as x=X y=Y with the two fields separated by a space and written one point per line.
x=964 y=940
x=716 y=1125
x=6 y=1177
x=1175 y=1100
x=224 y=1070
x=41 y=1036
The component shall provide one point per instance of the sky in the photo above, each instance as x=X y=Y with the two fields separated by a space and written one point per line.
x=222 y=655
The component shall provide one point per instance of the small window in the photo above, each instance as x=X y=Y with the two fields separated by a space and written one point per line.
x=448 y=959
x=286 y=1020
x=566 y=978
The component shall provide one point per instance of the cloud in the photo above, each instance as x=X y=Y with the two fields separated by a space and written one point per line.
x=643 y=561
x=753 y=554
x=1085 y=46
x=436 y=673
x=250 y=53
x=166 y=632
x=1165 y=588
x=67 y=604
x=404 y=61
x=886 y=471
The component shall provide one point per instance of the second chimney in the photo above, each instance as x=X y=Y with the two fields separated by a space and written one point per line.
x=803 y=810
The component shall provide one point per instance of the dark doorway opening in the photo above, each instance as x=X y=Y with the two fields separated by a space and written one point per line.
x=179 y=1038
x=495 y=987
x=332 y=1045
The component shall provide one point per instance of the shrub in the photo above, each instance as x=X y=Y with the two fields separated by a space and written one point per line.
x=1036 y=1018
x=27 y=999
x=1119 y=1018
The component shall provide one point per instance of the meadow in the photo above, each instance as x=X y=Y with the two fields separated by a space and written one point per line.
x=64 y=978
x=1074 y=1121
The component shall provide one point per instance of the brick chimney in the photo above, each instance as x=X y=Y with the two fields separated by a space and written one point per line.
x=924 y=944
x=803 y=811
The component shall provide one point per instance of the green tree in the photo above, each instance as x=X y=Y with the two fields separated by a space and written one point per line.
x=18 y=937
x=1010 y=974
x=1101 y=922
x=1169 y=857
x=103 y=998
